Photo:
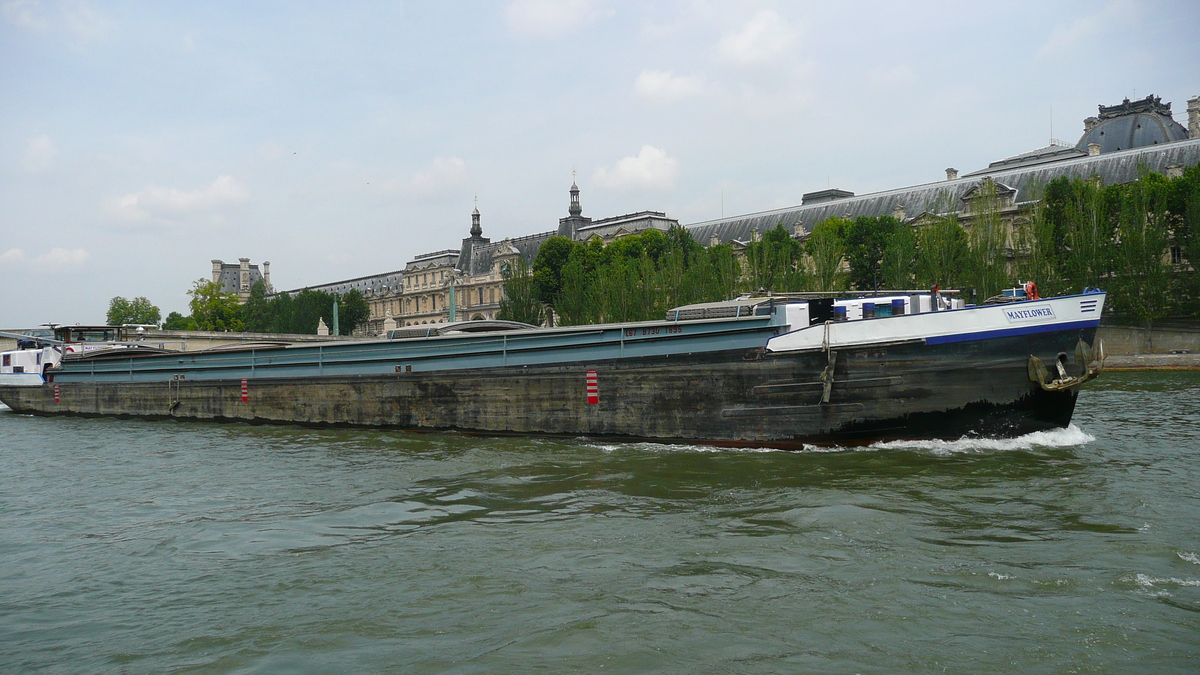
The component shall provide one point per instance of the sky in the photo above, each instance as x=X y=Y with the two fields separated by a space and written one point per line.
x=141 y=140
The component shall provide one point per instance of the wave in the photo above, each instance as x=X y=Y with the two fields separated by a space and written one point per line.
x=1071 y=436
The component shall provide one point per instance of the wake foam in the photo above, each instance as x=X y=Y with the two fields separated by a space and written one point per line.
x=1070 y=437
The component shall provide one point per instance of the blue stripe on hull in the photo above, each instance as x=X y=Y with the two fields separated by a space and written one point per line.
x=1011 y=332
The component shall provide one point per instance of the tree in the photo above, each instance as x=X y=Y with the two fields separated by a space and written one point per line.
x=309 y=308
x=214 y=309
x=519 y=302
x=136 y=311
x=826 y=246
x=547 y=268
x=866 y=240
x=987 y=262
x=942 y=253
x=1141 y=279
x=353 y=311
x=257 y=312
x=177 y=321
x=774 y=263
x=899 y=265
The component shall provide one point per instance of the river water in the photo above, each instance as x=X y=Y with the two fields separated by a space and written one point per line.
x=130 y=546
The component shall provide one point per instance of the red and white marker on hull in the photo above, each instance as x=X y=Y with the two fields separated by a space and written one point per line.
x=593 y=388
x=245 y=391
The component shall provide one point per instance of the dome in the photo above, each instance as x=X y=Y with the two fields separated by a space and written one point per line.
x=1132 y=125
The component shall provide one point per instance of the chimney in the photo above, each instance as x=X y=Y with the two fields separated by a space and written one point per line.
x=1093 y=149
x=217 y=270
x=267 y=276
x=755 y=235
x=798 y=229
x=951 y=174
x=1090 y=123
x=714 y=240
x=898 y=212
x=1194 y=117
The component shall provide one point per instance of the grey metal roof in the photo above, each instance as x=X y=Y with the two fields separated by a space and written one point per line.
x=1133 y=131
x=943 y=196
x=372 y=284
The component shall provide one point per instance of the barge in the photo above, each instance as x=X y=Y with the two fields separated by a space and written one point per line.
x=775 y=372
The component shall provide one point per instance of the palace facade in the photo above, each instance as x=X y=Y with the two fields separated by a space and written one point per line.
x=467 y=283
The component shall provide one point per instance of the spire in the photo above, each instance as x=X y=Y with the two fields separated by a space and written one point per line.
x=476 y=228
x=575 y=209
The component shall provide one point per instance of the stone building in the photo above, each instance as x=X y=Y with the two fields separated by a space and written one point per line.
x=467 y=283
x=1160 y=145
x=239 y=278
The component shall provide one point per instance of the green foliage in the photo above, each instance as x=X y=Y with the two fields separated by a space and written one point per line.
x=547 y=268
x=942 y=254
x=177 y=321
x=987 y=260
x=353 y=311
x=214 y=309
x=257 y=312
x=136 y=311
x=899 y=265
x=826 y=247
x=775 y=263
x=519 y=302
x=866 y=239
x=1141 y=280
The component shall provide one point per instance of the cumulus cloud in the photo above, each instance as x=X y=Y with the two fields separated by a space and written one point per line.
x=39 y=154
x=550 y=19
x=172 y=203
x=53 y=260
x=445 y=177
x=651 y=169
x=761 y=40
x=664 y=86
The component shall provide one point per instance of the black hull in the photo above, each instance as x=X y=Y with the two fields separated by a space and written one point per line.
x=733 y=398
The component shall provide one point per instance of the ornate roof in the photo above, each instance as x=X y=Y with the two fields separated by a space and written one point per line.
x=1132 y=124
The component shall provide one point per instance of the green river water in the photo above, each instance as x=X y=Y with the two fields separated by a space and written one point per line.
x=131 y=546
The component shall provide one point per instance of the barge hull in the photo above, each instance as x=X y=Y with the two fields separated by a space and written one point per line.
x=737 y=397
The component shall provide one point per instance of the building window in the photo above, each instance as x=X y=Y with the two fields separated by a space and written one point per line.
x=1176 y=255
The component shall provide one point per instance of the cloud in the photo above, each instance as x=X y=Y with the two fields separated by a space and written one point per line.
x=763 y=39
x=53 y=260
x=652 y=169
x=665 y=86
x=39 y=154
x=76 y=19
x=445 y=177
x=168 y=204
x=550 y=19
x=86 y=23
x=23 y=13
x=1067 y=40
